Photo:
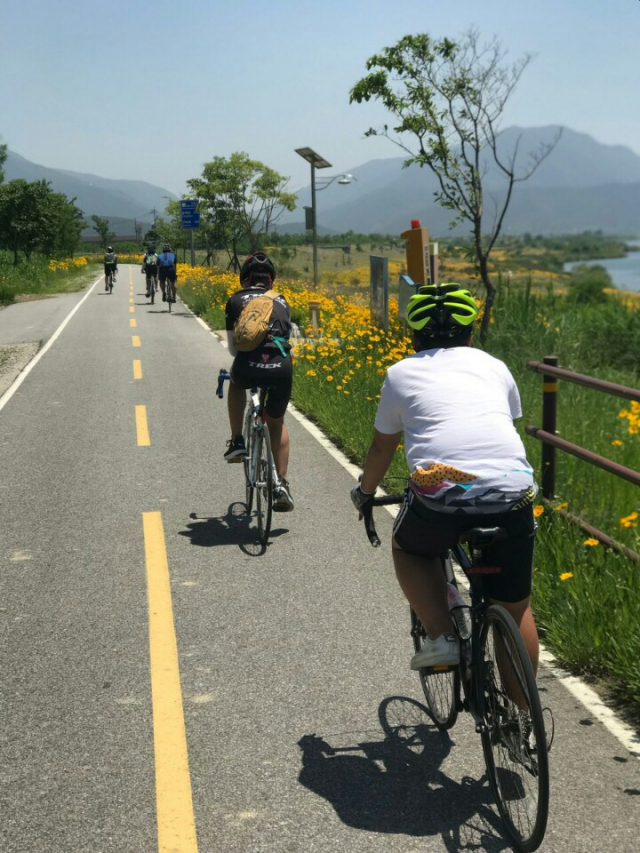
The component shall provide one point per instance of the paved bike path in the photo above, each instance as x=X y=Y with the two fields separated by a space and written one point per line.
x=303 y=723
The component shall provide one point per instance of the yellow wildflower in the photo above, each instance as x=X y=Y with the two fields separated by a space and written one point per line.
x=591 y=542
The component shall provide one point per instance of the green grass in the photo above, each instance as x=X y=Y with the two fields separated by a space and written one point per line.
x=34 y=277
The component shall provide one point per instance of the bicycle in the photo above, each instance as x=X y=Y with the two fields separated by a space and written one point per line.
x=261 y=476
x=495 y=683
x=108 y=282
x=151 y=286
x=169 y=291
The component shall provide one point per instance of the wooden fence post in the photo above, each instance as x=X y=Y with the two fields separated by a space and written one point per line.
x=549 y=413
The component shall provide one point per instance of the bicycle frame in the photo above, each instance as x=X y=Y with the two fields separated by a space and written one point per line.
x=257 y=427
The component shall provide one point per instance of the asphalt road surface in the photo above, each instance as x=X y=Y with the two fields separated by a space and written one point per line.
x=164 y=686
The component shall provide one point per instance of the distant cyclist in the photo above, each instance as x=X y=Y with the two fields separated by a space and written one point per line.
x=150 y=269
x=455 y=406
x=267 y=366
x=167 y=263
x=110 y=265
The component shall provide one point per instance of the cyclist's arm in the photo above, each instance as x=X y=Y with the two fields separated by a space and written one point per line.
x=378 y=459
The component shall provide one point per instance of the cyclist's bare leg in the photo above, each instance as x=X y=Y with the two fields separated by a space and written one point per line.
x=425 y=587
x=279 y=435
x=236 y=404
x=521 y=612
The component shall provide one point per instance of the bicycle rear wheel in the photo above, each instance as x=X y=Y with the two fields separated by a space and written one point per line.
x=248 y=460
x=264 y=484
x=441 y=688
x=110 y=282
x=513 y=738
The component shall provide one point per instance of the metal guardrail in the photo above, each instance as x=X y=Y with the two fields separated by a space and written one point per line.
x=550 y=371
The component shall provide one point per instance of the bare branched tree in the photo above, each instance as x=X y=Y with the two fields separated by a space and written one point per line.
x=449 y=97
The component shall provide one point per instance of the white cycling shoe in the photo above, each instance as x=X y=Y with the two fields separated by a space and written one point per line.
x=443 y=651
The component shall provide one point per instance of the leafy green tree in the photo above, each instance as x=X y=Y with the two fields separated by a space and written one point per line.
x=68 y=224
x=240 y=200
x=27 y=216
x=102 y=226
x=447 y=99
x=3 y=157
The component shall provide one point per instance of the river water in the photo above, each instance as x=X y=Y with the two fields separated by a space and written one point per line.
x=624 y=272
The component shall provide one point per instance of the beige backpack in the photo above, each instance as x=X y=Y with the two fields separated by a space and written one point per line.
x=251 y=327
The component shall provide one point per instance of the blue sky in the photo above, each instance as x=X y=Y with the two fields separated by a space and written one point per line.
x=151 y=90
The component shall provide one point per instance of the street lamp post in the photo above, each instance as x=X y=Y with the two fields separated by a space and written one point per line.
x=318 y=162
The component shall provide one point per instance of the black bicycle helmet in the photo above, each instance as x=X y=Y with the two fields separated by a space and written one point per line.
x=257 y=269
x=442 y=310
x=166 y=248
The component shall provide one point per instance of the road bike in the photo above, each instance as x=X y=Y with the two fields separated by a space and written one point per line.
x=108 y=282
x=169 y=291
x=151 y=286
x=261 y=476
x=494 y=681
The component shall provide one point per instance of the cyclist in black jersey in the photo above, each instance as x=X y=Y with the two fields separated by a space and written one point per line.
x=267 y=366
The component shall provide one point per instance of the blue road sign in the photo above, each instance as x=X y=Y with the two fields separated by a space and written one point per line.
x=190 y=220
x=188 y=205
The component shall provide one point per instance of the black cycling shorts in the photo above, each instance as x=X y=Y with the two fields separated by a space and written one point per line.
x=266 y=368
x=428 y=533
x=151 y=270
x=168 y=273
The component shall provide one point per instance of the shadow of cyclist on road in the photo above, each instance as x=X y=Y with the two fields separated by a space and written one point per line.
x=395 y=785
x=230 y=529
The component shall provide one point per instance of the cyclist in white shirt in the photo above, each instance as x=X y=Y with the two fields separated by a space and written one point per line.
x=455 y=406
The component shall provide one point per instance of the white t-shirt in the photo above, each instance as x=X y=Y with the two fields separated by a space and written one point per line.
x=456 y=406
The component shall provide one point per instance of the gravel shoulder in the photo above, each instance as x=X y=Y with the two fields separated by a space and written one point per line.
x=13 y=360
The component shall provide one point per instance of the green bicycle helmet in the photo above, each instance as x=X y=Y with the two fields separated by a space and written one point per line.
x=442 y=310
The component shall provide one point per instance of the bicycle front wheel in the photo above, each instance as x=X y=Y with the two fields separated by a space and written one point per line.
x=248 y=460
x=441 y=688
x=264 y=484
x=513 y=736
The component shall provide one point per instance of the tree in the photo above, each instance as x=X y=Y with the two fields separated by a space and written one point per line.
x=240 y=199
x=449 y=97
x=3 y=157
x=67 y=226
x=27 y=218
x=102 y=226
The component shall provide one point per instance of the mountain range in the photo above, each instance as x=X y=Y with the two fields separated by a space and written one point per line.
x=122 y=202
x=583 y=185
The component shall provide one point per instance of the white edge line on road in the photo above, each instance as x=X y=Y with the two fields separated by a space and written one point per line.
x=585 y=695
x=8 y=394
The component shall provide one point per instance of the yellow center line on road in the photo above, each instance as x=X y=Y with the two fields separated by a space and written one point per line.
x=142 y=427
x=174 y=799
x=137 y=368
x=131 y=300
x=133 y=323
x=135 y=341
x=132 y=310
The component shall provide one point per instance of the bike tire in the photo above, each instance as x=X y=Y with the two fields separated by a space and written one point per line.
x=264 y=484
x=516 y=759
x=110 y=283
x=248 y=460
x=441 y=689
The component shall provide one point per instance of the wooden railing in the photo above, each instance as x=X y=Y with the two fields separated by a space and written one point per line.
x=551 y=442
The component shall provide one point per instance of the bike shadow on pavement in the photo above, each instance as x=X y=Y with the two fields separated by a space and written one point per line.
x=395 y=784
x=233 y=528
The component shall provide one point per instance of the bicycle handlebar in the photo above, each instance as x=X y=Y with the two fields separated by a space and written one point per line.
x=367 y=515
x=222 y=377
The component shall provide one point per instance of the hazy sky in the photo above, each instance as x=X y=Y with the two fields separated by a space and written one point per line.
x=151 y=89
